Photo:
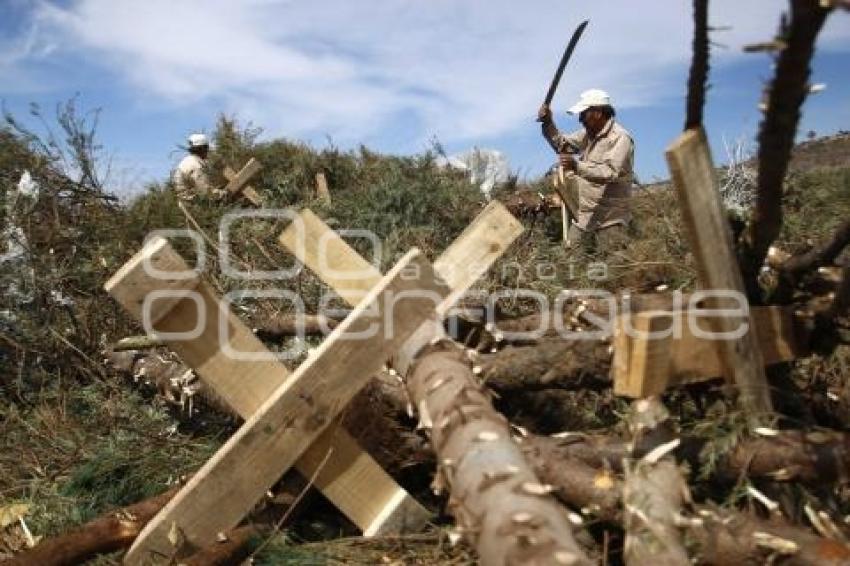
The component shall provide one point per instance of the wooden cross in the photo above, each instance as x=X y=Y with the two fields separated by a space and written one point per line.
x=644 y=365
x=195 y=513
x=345 y=473
x=237 y=183
x=692 y=170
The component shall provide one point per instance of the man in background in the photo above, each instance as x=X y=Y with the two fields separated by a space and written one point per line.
x=190 y=178
x=599 y=160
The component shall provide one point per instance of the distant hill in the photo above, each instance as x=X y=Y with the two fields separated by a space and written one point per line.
x=828 y=151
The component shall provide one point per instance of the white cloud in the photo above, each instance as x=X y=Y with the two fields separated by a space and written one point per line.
x=461 y=70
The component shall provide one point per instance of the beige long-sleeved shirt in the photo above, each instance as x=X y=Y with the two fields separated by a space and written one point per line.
x=189 y=178
x=605 y=171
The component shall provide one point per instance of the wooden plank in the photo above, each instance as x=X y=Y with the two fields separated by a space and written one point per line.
x=327 y=254
x=322 y=190
x=476 y=249
x=349 y=478
x=648 y=366
x=565 y=224
x=566 y=185
x=318 y=247
x=696 y=359
x=230 y=484
x=460 y=266
x=692 y=358
x=146 y=272
x=237 y=183
x=692 y=170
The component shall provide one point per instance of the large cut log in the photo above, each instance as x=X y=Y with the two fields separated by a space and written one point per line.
x=497 y=499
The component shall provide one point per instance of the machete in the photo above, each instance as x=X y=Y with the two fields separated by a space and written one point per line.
x=564 y=60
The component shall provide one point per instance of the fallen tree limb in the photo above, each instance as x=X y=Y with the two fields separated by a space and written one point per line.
x=579 y=313
x=284 y=326
x=110 y=532
x=232 y=549
x=499 y=503
x=810 y=457
x=551 y=364
x=594 y=491
x=737 y=538
x=722 y=537
x=274 y=328
x=825 y=254
x=831 y=324
x=815 y=267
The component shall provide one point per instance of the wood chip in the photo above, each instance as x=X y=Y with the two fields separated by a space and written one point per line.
x=532 y=488
x=771 y=505
x=776 y=544
x=764 y=431
x=564 y=557
x=487 y=436
x=660 y=451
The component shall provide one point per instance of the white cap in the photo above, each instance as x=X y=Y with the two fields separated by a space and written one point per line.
x=589 y=99
x=198 y=140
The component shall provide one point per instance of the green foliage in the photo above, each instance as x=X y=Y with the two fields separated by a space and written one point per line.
x=84 y=450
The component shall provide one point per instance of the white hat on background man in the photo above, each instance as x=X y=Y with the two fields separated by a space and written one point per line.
x=198 y=140
x=589 y=99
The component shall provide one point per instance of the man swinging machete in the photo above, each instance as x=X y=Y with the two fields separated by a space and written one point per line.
x=595 y=173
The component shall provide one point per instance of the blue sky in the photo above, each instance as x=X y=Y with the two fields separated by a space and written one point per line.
x=392 y=74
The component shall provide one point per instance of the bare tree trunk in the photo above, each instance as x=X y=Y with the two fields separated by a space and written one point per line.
x=784 y=97
x=698 y=76
x=499 y=503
